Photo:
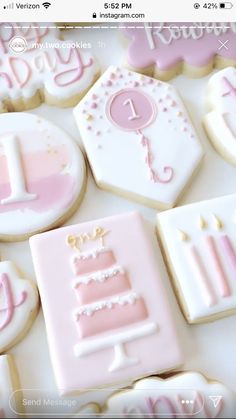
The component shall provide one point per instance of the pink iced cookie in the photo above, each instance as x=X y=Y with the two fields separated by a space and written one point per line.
x=134 y=128
x=105 y=308
x=56 y=75
x=42 y=175
x=200 y=245
x=165 y=49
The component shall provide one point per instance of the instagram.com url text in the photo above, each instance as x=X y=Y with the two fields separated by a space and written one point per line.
x=122 y=16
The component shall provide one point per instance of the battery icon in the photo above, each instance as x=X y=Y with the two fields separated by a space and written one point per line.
x=226 y=5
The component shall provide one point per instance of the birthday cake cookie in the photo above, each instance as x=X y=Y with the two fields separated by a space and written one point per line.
x=33 y=71
x=134 y=129
x=10 y=396
x=110 y=321
x=42 y=175
x=163 y=50
x=199 y=241
x=220 y=122
x=19 y=304
x=187 y=394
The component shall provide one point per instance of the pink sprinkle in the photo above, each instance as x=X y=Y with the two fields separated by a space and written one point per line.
x=129 y=73
x=101 y=116
x=106 y=93
x=83 y=111
x=160 y=100
x=93 y=105
x=164 y=109
x=121 y=76
x=89 y=127
x=173 y=103
x=109 y=83
x=184 y=129
x=94 y=97
x=112 y=76
x=98 y=132
x=185 y=120
x=151 y=81
x=136 y=84
x=99 y=146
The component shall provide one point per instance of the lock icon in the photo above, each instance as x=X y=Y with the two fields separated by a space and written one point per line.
x=94 y=15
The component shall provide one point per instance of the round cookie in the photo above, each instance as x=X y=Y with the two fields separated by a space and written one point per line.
x=163 y=50
x=42 y=176
x=57 y=75
x=219 y=122
x=19 y=303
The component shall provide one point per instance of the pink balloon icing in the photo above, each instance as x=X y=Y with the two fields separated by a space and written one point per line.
x=131 y=110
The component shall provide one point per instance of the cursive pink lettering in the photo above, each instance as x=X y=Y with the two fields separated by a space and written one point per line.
x=76 y=72
x=10 y=306
x=20 y=70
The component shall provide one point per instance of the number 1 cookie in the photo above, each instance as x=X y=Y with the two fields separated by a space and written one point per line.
x=47 y=69
x=220 y=121
x=134 y=129
x=42 y=175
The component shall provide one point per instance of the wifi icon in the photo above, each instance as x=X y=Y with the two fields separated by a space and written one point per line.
x=46 y=4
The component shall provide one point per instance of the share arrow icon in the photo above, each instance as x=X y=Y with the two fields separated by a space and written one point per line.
x=215 y=400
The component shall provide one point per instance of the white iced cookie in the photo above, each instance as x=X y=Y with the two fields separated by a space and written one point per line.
x=58 y=75
x=199 y=241
x=19 y=304
x=42 y=175
x=220 y=121
x=187 y=394
x=134 y=129
x=10 y=397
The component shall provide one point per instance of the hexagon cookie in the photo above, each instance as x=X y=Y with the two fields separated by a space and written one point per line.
x=134 y=130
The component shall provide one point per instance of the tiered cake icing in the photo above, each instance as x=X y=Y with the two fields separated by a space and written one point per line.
x=104 y=287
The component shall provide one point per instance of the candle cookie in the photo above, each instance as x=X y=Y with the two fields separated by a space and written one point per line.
x=106 y=312
x=188 y=394
x=134 y=129
x=42 y=175
x=219 y=122
x=199 y=242
x=46 y=70
x=163 y=50
x=19 y=305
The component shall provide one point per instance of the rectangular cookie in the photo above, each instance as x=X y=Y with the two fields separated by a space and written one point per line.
x=106 y=312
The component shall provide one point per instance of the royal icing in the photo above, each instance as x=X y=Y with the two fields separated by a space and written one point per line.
x=184 y=395
x=163 y=46
x=134 y=129
x=56 y=68
x=219 y=122
x=41 y=174
x=111 y=307
x=8 y=406
x=18 y=304
x=200 y=243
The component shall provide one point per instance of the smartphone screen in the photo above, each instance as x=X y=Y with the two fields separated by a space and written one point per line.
x=117 y=209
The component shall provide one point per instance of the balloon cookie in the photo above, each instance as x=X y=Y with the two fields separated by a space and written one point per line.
x=42 y=175
x=47 y=69
x=134 y=128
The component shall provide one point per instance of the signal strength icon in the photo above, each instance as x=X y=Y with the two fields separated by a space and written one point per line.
x=9 y=6
x=46 y=4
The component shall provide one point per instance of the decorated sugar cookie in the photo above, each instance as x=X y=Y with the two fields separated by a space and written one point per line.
x=10 y=397
x=187 y=394
x=199 y=241
x=42 y=175
x=166 y=49
x=106 y=312
x=58 y=75
x=134 y=129
x=19 y=305
x=219 y=122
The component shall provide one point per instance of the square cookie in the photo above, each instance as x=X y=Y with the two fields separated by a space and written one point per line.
x=134 y=129
x=106 y=312
x=199 y=241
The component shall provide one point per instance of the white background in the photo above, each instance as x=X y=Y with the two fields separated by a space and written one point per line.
x=208 y=348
